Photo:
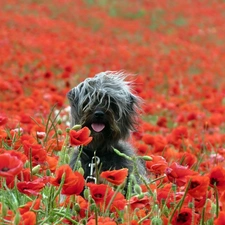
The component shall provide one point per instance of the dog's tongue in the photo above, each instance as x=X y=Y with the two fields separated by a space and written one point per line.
x=98 y=127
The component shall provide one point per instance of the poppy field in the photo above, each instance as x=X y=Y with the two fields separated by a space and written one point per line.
x=176 y=54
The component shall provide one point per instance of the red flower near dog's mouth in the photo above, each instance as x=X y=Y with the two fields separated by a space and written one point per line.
x=98 y=127
x=80 y=137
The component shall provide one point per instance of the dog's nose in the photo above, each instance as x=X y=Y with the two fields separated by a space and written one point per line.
x=99 y=114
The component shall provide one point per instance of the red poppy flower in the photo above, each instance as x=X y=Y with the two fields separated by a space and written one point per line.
x=34 y=205
x=83 y=205
x=54 y=145
x=28 y=218
x=217 y=177
x=10 y=166
x=178 y=174
x=75 y=186
x=79 y=200
x=132 y=222
x=198 y=186
x=52 y=162
x=116 y=177
x=162 y=122
x=73 y=181
x=3 y=135
x=3 y=120
x=102 y=221
x=10 y=182
x=38 y=130
x=178 y=135
x=222 y=200
x=142 y=148
x=185 y=217
x=30 y=188
x=165 y=194
x=157 y=165
x=159 y=143
x=101 y=193
x=119 y=202
x=59 y=173
x=80 y=137
x=25 y=175
x=187 y=159
x=17 y=154
x=38 y=153
x=135 y=202
x=220 y=220
x=148 y=139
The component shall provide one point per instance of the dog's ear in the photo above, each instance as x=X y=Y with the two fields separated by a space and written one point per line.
x=71 y=95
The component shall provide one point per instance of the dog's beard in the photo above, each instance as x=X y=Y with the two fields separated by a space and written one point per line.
x=105 y=130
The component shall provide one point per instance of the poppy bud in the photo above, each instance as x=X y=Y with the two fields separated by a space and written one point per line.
x=41 y=135
x=122 y=154
x=156 y=221
x=36 y=169
x=86 y=193
x=147 y=158
x=17 y=218
x=48 y=172
x=191 y=205
x=156 y=208
x=132 y=178
x=59 y=132
x=67 y=159
x=137 y=189
x=27 y=164
x=140 y=196
x=76 y=127
x=93 y=207
x=59 y=121
x=77 y=207
x=174 y=187
x=78 y=164
x=81 y=170
x=213 y=208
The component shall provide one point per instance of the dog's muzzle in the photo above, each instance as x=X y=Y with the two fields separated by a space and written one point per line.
x=98 y=124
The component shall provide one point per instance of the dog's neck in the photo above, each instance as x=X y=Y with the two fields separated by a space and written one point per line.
x=89 y=151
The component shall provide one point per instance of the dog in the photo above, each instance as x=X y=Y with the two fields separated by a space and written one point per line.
x=106 y=105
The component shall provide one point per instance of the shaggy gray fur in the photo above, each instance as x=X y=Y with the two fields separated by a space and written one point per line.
x=106 y=99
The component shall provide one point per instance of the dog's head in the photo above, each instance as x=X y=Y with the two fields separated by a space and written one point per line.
x=106 y=105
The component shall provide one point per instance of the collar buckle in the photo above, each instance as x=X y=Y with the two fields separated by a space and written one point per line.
x=94 y=163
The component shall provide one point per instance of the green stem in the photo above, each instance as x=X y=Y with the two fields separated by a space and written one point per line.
x=48 y=129
x=60 y=187
x=217 y=200
x=113 y=197
x=144 y=218
x=65 y=216
x=63 y=150
x=159 y=178
x=78 y=157
x=180 y=203
x=30 y=164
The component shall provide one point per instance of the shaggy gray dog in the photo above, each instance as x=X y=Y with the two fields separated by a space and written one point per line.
x=106 y=105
